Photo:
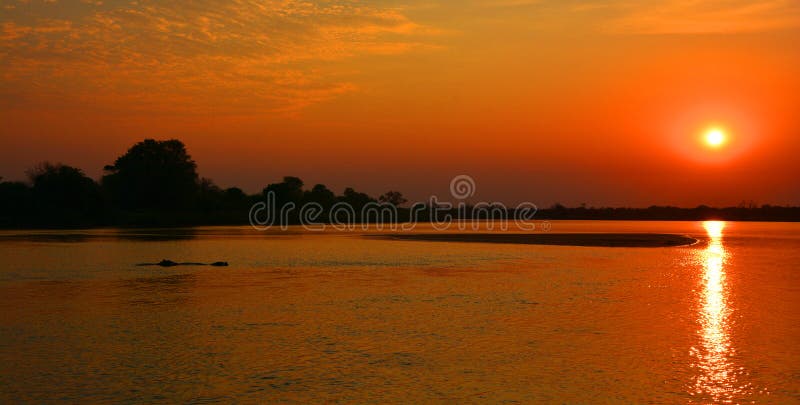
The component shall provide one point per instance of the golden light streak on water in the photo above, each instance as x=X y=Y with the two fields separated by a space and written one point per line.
x=717 y=377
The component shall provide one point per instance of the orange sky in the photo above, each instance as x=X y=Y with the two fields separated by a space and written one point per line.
x=601 y=102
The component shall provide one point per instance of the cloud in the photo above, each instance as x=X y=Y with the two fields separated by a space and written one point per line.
x=211 y=55
x=702 y=17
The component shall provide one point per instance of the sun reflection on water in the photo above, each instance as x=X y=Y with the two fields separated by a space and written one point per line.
x=717 y=373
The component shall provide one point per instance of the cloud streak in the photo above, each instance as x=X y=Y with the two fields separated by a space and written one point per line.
x=241 y=56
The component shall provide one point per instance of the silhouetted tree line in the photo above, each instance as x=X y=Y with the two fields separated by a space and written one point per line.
x=155 y=183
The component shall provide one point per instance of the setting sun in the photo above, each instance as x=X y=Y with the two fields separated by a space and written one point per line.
x=715 y=137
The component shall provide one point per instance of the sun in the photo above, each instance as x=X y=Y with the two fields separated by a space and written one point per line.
x=715 y=137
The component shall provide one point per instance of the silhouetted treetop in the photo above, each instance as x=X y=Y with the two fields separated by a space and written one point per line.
x=393 y=197
x=288 y=191
x=321 y=195
x=153 y=175
x=355 y=199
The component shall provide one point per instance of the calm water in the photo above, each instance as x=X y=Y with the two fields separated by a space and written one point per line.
x=333 y=316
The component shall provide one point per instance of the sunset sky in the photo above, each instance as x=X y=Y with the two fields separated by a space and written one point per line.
x=599 y=102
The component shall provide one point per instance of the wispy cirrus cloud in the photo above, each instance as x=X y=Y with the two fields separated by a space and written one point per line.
x=239 y=55
x=248 y=56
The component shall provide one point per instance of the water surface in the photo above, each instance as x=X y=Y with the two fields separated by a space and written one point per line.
x=301 y=316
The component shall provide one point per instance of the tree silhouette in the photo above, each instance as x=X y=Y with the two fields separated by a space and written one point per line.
x=393 y=197
x=209 y=196
x=153 y=174
x=63 y=195
x=235 y=199
x=355 y=199
x=321 y=195
x=288 y=191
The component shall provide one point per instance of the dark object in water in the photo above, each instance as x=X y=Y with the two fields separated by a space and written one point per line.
x=170 y=263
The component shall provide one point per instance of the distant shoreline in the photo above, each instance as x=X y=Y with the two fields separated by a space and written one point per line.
x=559 y=239
x=191 y=224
